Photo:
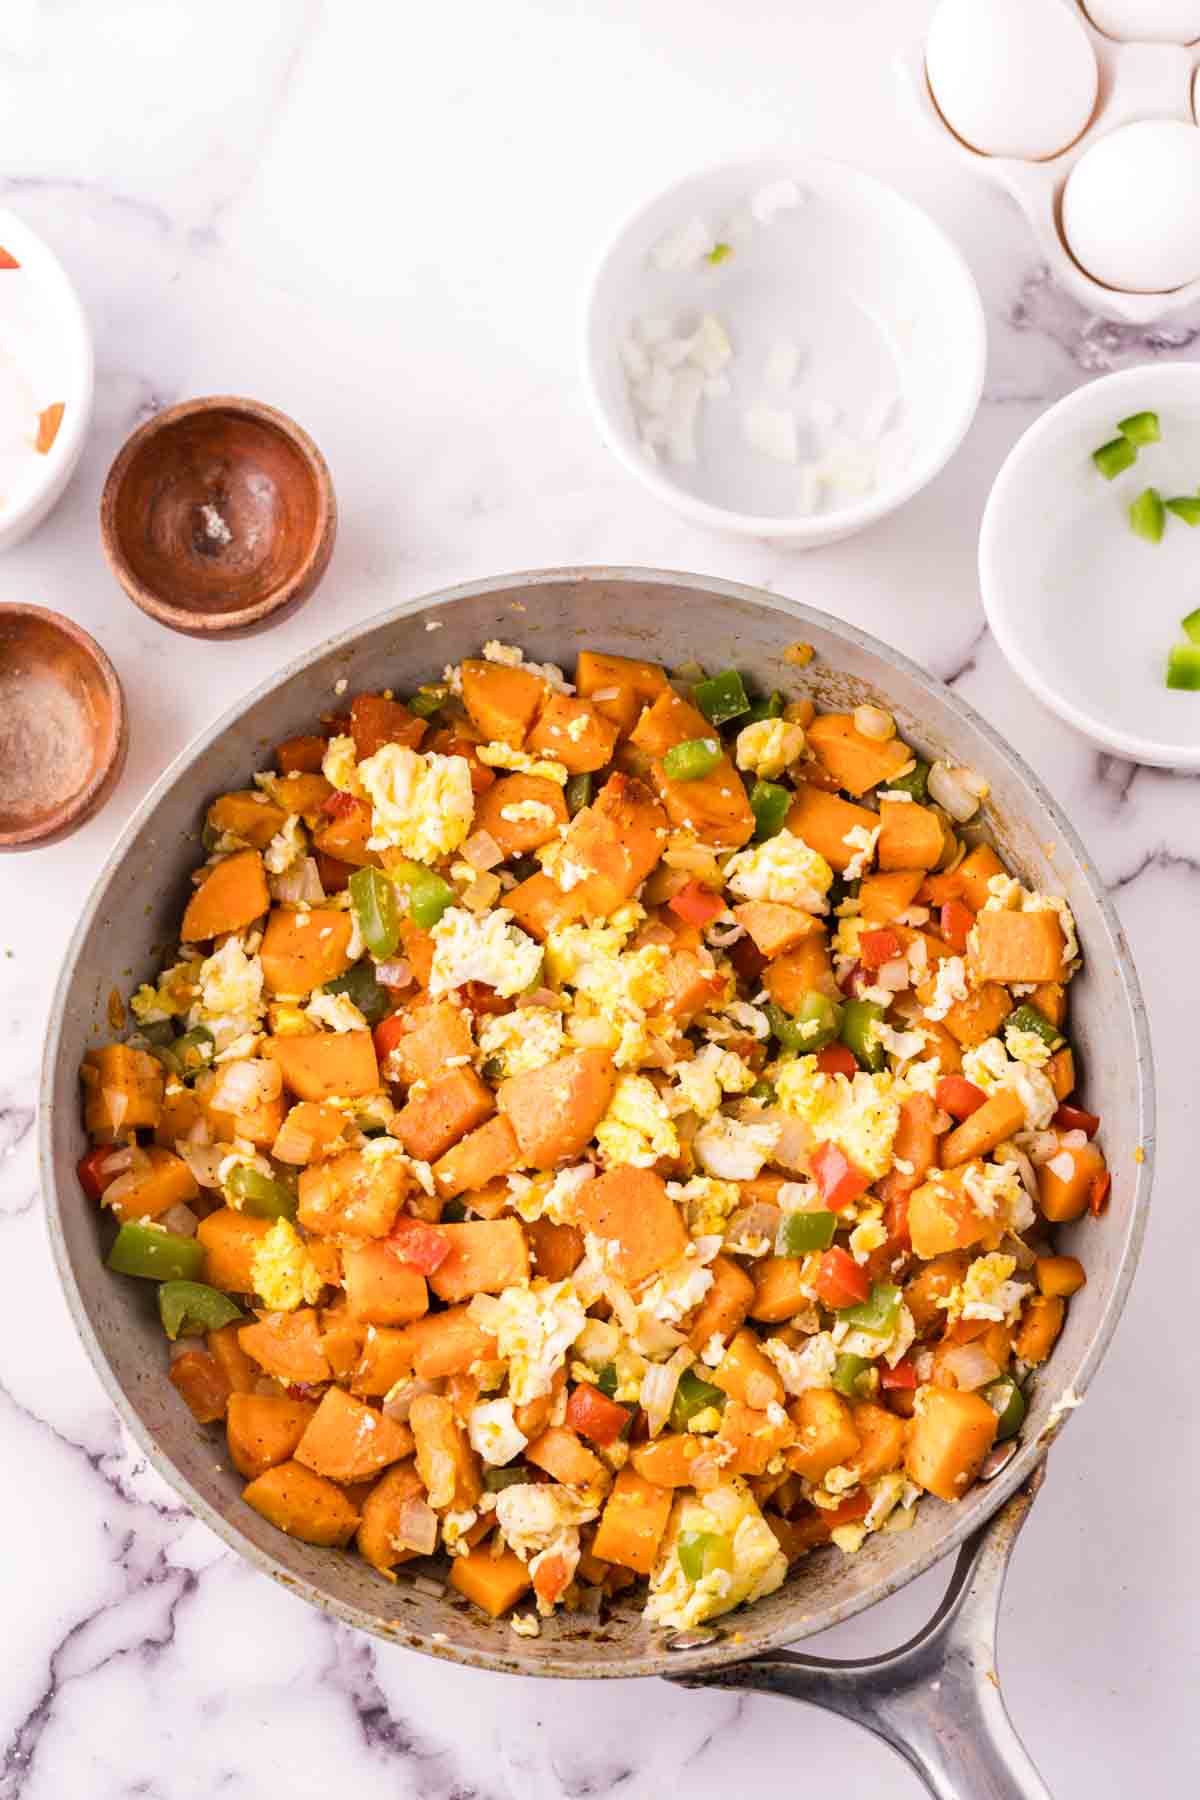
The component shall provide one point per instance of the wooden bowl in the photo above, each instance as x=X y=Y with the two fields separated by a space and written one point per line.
x=63 y=731
x=218 y=516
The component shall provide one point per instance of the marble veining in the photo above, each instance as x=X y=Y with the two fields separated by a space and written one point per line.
x=380 y=220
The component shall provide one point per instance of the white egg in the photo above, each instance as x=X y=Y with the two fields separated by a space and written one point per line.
x=1131 y=207
x=1012 y=77
x=1148 y=21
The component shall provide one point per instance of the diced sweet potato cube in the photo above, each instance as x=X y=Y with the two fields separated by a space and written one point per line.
x=539 y=906
x=303 y=950
x=123 y=1091
x=346 y=1440
x=486 y=1256
x=345 y=836
x=376 y=721
x=751 y=1438
x=632 y=1523
x=557 y=1249
x=232 y=895
x=618 y=686
x=801 y=971
x=1059 y=1275
x=881 y=1440
x=493 y=1583
x=522 y=812
x=382 y=1513
x=942 y=1216
x=301 y=755
x=975 y=871
x=248 y=815
x=715 y=807
x=303 y=1505
x=667 y=1461
x=163 y=1181
x=575 y=733
x=915 y=1142
x=259 y=1122
x=380 y=1289
x=774 y=927
x=948 y=1440
x=449 y=1343
x=618 y=839
x=631 y=1209
x=202 y=1382
x=299 y=792
x=554 y=1110
x=287 y=1346
x=1017 y=946
x=324 y=1065
x=432 y=1120
x=1050 y=999
x=883 y=897
x=386 y=1358
x=264 y=1429
x=438 y=1038
x=910 y=836
x=1060 y=1072
x=563 y=1454
x=342 y=1336
x=446 y=1462
x=1001 y=1114
x=779 y=1289
x=667 y=721
x=980 y=1015
x=1041 y=1322
x=478 y=1159
x=933 y=1284
x=823 y=820
x=321 y=1125
x=1064 y=1196
x=239 y=1370
x=353 y=1195
x=693 y=982
x=745 y=1374
x=726 y=1304
x=180 y=1111
x=230 y=1240
x=855 y=761
x=502 y=703
x=826 y=1438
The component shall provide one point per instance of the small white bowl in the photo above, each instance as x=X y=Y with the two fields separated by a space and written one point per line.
x=46 y=361
x=872 y=292
x=1083 y=608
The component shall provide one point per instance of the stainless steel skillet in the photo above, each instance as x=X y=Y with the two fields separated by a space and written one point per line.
x=957 y=1736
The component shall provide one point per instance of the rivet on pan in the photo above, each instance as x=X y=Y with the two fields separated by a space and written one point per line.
x=691 y=1640
x=998 y=1459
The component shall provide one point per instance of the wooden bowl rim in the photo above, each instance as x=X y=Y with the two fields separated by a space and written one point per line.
x=181 y=618
x=111 y=750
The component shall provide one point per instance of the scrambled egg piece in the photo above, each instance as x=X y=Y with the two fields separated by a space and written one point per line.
x=531 y=1514
x=286 y=847
x=990 y=1067
x=484 y=947
x=618 y=987
x=231 y=981
x=1026 y=1047
x=422 y=805
x=862 y=841
x=702 y=1083
x=783 y=868
x=811 y=1366
x=859 y=1114
x=757 y=1565
x=534 y=1327
x=339 y=766
x=282 y=1272
x=707 y=1204
x=337 y=1011
x=174 y=994
x=769 y=746
x=732 y=1150
x=494 y=1433
x=950 y=984
x=637 y=1127
x=987 y=1291
x=503 y=756
x=996 y=1191
x=522 y=1040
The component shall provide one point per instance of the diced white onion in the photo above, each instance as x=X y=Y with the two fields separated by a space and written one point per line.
x=181 y=1220
x=1074 y=1140
x=948 y=788
x=396 y=973
x=893 y=975
x=302 y=881
x=482 y=894
x=773 y=198
x=543 y=997
x=482 y=851
x=771 y=432
x=1062 y=1165
x=874 y=722
x=398 y=1402
x=604 y=694
x=203 y=1160
x=293 y=1145
x=782 y=362
x=750 y=1226
x=970 y=1366
x=118 y=1160
x=116 y=1105
x=657 y=1392
x=721 y=933
x=683 y=248
x=251 y=1082
x=416 y=1527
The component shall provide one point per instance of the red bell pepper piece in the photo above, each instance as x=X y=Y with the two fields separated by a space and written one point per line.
x=92 y=1178
x=339 y=804
x=836 y=1177
x=552 y=1577
x=481 y=998
x=696 y=905
x=387 y=1034
x=958 y=1096
x=1073 y=1118
x=904 y=1375
x=423 y=1247
x=839 y=1281
x=854 y=980
x=593 y=1415
x=836 y=1059
x=747 y=959
x=878 y=947
x=956 y=921
x=1098 y=1193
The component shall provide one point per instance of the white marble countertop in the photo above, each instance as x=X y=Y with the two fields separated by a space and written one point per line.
x=379 y=218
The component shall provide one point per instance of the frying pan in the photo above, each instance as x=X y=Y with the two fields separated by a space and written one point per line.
x=936 y=1700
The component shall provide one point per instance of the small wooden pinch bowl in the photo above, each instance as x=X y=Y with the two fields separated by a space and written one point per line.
x=219 y=516
x=63 y=730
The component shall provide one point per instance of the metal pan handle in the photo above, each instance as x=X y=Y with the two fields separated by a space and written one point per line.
x=936 y=1700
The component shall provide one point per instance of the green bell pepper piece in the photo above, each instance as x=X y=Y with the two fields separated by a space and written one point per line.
x=800 y=1232
x=1140 y=428
x=877 y=1313
x=1027 y=1018
x=262 y=1196
x=606 y=1379
x=854 y=1376
x=722 y=697
x=1191 y=626
x=1183 y=667
x=859 y=1017
x=915 y=782
x=1185 y=507
x=154 y=1254
x=578 y=793
x=1008 y=1403
x=428 y=700
x=692 y=1396
x=693 y=760
x=189 y=1309
x=763 y=1090
x=700 y=1552
x=1147 y=515
x=811 y=1028
x=770 y=708
x=194 y=1050
x=159 y=1034
x=360 y=986
x=770 y=803
x=509 y=1476
x=428 y=894
x=454 y=1212
x=373 y=898
x=1113 y=458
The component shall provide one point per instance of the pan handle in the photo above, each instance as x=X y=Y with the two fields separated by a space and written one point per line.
x=936 y=1700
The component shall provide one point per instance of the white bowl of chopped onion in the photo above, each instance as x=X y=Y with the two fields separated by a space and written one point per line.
x=783 y=347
